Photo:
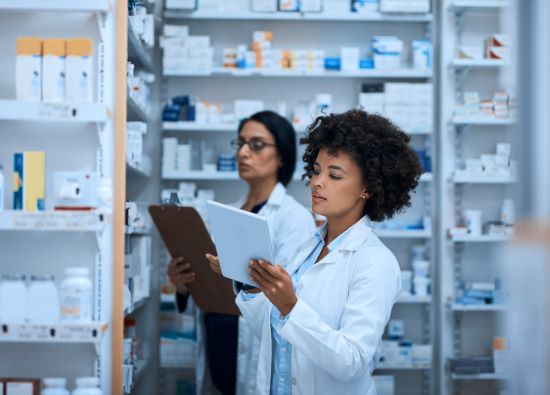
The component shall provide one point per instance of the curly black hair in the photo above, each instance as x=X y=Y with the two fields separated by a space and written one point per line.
x=390 y=167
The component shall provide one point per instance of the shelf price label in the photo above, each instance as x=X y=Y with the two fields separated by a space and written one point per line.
x=50 y=110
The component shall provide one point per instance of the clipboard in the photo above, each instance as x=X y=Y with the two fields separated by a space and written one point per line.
x=185 y=235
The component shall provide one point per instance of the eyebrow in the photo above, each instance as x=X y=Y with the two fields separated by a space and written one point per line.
x=334 y=167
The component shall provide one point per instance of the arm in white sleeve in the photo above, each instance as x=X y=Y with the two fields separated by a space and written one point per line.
x=346 y=352
x=253 y=308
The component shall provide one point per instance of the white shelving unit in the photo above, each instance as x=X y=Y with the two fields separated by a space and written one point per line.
x=63 y=6
x=481 y=376
x=299 y=17
x=478 y=308
x=479 y=63
x=480 y=239
x=460 y=179
x=482 y=120
x=51 y=221
x=368 y=73
x=469 y=258
x=62 y=238
x=225 y=85
x=14 y=110
x=63 y=333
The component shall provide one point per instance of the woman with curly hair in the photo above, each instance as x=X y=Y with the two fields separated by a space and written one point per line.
x=321 y=320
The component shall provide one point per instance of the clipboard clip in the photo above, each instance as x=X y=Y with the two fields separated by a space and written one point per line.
x=174 y=200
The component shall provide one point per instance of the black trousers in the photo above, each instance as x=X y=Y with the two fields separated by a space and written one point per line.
x=222 y=336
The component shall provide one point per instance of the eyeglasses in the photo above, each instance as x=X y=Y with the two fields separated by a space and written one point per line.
x=255 y=144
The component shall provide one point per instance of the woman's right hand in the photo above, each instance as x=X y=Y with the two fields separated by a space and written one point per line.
x=180 y=274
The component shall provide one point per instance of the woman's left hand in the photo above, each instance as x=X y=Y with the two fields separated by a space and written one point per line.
x=276 y=284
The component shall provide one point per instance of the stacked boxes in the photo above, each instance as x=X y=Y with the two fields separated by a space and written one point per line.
x=499 y=106
x=408 y=105
x=183 y=52
x=491 y=165
x=175 y=157
x=387 y=52
x=497 y=47
x=54 y=70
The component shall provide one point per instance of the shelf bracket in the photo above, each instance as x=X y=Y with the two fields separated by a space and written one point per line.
x=101 y=20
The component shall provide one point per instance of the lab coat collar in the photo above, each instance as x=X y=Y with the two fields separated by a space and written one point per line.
x=276 y=197
x=355 y=237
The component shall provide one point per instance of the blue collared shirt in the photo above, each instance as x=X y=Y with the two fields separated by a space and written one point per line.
x=282 y=350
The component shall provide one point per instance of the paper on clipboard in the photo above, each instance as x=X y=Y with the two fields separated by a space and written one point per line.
x=185 y=235
x=239 y=236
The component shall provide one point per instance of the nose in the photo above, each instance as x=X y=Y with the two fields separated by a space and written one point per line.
x=243 y=152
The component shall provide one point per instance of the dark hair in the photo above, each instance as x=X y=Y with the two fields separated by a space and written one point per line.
x=390 y=167
x=285 y=140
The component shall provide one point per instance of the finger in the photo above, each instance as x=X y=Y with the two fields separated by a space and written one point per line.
x=212 y=259
x=273 y=271
x=176 y=260
x=215 y=268
x=262 y=284
x=183 y=268
x=264 y=274
x=188 y=278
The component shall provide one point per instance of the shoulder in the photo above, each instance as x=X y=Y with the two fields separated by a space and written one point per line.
x=374 y=257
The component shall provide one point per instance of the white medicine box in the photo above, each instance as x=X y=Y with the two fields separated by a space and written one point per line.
x=79 y=71
x=28 y=69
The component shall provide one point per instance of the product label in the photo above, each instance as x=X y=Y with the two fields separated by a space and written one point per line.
x=35 y=332
x=55 y=110
x=77 y=332
x=76 y=304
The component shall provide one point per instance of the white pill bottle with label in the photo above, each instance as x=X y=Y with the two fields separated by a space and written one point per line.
x=76 y=296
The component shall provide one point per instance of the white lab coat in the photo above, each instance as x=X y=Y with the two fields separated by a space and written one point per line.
x=290 y=226
x=344 y=303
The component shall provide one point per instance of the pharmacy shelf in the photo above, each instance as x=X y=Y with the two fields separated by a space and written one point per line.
x=480 y=239
x=483 y=180
x=201 y=175
x=137 y=53
x=461 y=5
x=186 y=126
x=296 y=16
x=55 y=5
x=482 y=120
x=407 y=368
x=135 y=307
x=369 y=73
x=480 y=376
x=135 y=112
x=413 y=299
x=402 y=234
x=209 y=127
x=138 y=169
x=62 y=333
x=479 y=63
x=478 y=308
x=15 y=110
x=49 y=221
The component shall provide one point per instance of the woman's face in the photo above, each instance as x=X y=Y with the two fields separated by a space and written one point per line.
x=259 y=164
x=337 y=187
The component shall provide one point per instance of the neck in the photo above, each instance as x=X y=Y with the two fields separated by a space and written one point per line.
x=338 y=225
x=259 y=191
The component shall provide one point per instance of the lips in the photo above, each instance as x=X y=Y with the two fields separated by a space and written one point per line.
x=316 y=198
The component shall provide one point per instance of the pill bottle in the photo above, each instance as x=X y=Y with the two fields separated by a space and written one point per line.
x=54 y=386
x=14 y=299
x=87 y=386
x=43 y=300
x=76 y=295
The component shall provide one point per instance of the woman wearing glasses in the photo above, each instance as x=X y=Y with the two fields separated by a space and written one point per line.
x=321 y=319
x=266 y=156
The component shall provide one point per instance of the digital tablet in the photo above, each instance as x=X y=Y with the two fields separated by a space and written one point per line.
x=239 y=236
